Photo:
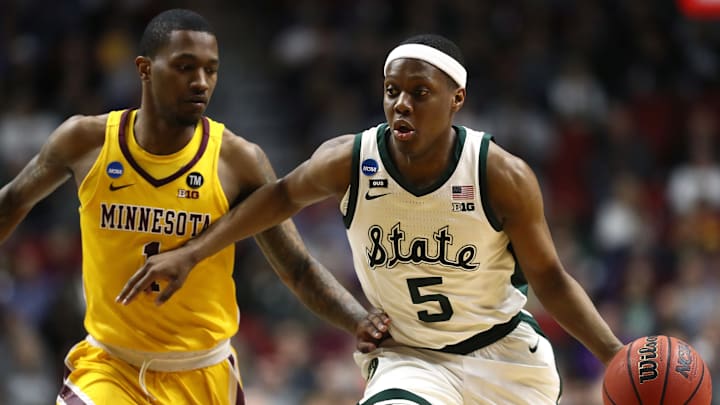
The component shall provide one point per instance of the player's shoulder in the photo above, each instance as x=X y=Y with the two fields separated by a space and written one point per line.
x=75 y=138
x=509 y=174
x=87 y=122
x=236 y=147
x=338 y=143
x=85 y=127
x=80 y=132
x=335 y=150
x=500 y=161
x=347 y=141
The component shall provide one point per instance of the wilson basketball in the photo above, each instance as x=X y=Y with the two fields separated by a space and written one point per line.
x=654 y=370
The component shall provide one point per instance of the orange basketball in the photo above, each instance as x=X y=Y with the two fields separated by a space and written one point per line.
x=654 y=370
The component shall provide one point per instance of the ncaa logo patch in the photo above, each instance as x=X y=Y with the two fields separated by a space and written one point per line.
x=195 y=180
x=369 y=167
x=115 y=170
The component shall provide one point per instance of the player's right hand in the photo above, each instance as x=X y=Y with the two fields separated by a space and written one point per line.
x=372 y=330
x=172 y=266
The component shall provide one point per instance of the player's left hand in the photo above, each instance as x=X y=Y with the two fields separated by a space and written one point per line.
x=172 y=266
x=372 y=330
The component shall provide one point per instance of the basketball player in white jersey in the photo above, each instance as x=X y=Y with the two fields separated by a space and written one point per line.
x=447 y=230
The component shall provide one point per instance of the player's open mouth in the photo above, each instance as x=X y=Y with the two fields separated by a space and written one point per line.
x=403 y=131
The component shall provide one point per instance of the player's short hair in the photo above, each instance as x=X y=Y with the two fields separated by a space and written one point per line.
x=157 y=32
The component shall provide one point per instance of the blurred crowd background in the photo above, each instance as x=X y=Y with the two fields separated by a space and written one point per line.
x=613 y=103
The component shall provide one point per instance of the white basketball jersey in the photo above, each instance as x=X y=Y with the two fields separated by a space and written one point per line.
x=436 y=260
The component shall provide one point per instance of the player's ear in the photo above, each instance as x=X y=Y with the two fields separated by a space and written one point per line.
x=143 y=66
x=458 y=99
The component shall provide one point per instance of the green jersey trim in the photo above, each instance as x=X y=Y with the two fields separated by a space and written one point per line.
x=354 y=181
x=382 y=140
x=395 y=393
x=489 y=213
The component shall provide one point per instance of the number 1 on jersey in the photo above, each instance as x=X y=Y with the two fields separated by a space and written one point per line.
x=150 y=249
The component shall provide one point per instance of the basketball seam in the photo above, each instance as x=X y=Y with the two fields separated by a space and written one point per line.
x=631 y=375
x=697 y=387
x=607 y=394
x=668 y=355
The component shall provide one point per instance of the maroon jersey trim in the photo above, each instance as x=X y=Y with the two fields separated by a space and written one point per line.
x=152 y=180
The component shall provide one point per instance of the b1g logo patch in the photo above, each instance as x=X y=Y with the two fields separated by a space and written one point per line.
x=369 y=167
x=115 y=170
x=195 y=180
x=189 y=194
x=463 y=206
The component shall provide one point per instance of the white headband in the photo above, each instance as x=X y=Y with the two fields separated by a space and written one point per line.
x=433 y=56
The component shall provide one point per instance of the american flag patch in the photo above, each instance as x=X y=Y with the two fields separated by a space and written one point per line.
x=463 y=192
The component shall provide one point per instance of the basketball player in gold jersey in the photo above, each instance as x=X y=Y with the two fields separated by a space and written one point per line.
x=149 y=180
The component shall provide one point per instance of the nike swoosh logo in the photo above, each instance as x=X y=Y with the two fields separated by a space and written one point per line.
x=369 y=197
x=534 y=347
x=116 y=188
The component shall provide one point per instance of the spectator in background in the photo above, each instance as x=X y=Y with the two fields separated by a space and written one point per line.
x=621 y=222
x=696 y=180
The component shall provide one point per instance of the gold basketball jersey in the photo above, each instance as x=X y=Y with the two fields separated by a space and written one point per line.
x=134 y=204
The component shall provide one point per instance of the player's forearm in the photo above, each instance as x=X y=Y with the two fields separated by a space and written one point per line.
x=571 y=307
x=10 y=213
x=326 y=297
x=8 y=225
x=309 y=280
x=266 y=207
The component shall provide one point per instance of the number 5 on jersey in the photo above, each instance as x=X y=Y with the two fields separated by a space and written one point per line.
x=446 y=310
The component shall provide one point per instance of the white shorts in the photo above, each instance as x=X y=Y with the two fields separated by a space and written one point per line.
x=505 y=372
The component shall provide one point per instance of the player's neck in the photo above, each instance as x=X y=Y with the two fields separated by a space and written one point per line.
x=424 y=169
x=159 y=137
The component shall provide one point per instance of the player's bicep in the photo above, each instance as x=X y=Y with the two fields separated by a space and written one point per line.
x=45 y=172
x=243 y=168
x=325 y=174
x=517 y=197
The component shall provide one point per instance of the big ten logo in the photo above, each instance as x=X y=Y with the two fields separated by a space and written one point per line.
x=189 y=194
x=463 y=206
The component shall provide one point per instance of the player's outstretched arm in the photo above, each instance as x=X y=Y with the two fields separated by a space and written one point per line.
x=49 y=169
x=309 y=280
x=266 y=206
x=270 y=203
x=517 y=201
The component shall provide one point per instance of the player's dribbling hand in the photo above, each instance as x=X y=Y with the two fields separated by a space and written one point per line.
x=372 y=330
x=171 y=266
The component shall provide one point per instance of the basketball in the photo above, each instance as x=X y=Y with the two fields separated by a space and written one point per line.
x=655 y=370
